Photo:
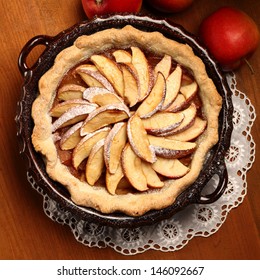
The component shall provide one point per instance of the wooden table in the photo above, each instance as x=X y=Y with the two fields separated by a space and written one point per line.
x=25 y=231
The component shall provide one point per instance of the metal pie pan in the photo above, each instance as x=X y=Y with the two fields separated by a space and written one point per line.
x=214 y=165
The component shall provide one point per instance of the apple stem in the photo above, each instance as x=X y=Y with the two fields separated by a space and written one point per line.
x=250 y=66
x=99 y=2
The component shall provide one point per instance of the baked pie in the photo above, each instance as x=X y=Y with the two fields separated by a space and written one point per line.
x=124 y=120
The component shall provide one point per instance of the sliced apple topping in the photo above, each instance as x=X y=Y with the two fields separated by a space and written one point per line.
x=142 y=67
x=111 y=71
x=189 y=118
x=132 y=88
x=62 y=107
x=171 y=168
x=186 y=94
x=186 y=79
x=132 y=168
x=122 y=56
x=138 y=139
x=113 y=179
x=162 y=122
x=114 y=144
x=189 y=91
x=173 y=84
x=72 y=116
x=70 y=91
x=178 y=104
x=92 y=91
x=82 y=150
x=95 y=162
x=71 y=137
x=152 y=178
x=163 y=66
x=103 y=116
x=169 y=148
x=133 y=123
x=154 y=100
x=92 y=77
x=101 y=96
x=194 y=131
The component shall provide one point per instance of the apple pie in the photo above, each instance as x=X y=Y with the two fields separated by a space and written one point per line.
x=124 y=120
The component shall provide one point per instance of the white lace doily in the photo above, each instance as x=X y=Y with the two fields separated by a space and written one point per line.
x=196 y=220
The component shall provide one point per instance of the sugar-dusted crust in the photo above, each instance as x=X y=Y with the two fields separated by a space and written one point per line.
x=98 y=197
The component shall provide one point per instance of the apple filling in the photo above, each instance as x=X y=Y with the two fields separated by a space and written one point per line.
x=128 y=120
x=124 y=120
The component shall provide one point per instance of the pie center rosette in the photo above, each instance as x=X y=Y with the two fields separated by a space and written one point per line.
x=129 y=117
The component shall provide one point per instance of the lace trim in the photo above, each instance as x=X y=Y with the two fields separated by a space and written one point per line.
x=196 y=220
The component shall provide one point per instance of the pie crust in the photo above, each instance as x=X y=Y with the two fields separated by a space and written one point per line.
x=43 y=138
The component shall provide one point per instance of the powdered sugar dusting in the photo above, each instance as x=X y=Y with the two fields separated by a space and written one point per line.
x=82 y=110
x=92 y=91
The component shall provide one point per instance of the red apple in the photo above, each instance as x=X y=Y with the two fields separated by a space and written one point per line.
x=230 y=35
x=102 y=7
x=170 y=6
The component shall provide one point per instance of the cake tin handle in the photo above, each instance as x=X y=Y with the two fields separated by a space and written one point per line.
x=26 y=50
x=219 y=190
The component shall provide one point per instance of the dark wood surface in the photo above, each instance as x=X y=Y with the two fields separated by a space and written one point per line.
x=25 y=231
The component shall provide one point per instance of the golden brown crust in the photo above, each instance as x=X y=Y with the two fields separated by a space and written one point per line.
x=98 y=197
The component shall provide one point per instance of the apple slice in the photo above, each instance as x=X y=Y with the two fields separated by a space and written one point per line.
x=162 y=122
x=64 y=157
x=192 y=132
x=92 y=77
x=152 y=178
x=114 y=144
x=138 y=139
x=95 y=164
x=141 y=65
x=189 y=91
x=70 y=91
x=132 y=86
x=112 y=180
x=71 y=137
x=189 y=118
x=88 y=92
x=163 y=66
x=186 y=79
x=169 y=148
x=122 y=56
x=103 y=116
x=132 y=168
x=125 y=187
x=109 y=69
x=171 y=168
x=173 y=84
x=72 y=116
x=154 y=100
x=62 y=107
x=178 y=104
x=101 y=96
x=82 y=150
